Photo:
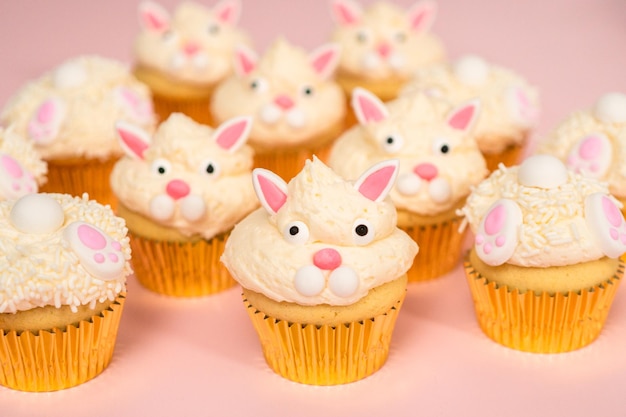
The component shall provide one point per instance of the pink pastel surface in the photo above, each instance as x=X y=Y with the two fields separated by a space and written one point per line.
x=202 y=357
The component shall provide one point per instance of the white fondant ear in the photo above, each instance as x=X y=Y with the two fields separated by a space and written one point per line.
x=592 y=155
x=346 y=12
x=43 y=127
x=606 y=224
x=367 y=107
x=498 y=232
x=463 y=117
x=270 y=189
x=376 y=182
x=228 y=11
x=245 y=60
x=233 y=133
x=153 y=16
x=324 y=59
x=422 y=15
x=133 y=139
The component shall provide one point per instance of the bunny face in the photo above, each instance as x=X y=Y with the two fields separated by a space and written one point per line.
x=384 y=41
x=194 y=45
x=287 y=91
x=320 y=239
x=188 y=177
x=439 y=159
x=21 y=168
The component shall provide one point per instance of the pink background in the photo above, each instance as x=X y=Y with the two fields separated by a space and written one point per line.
x=201 y=356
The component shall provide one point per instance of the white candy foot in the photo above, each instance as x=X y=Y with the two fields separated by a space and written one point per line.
x=606 y=223
x=591 y=155
x=497 y=235
x=15 y=180
x=44 y=125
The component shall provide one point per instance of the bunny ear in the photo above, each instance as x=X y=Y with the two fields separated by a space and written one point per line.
x=233 y=133
x=346 y=12
x=153 y=16
x=324 y=59
x=133 y=139
x=367 y=107
x=245 y=60
x=463 y=117
x=376 y=182
x=422 y=15
x=228 y=11
x=270 y=189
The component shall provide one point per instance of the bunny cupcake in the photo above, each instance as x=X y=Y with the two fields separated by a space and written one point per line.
x=439 y=162
x=183 y=56
x=320 y=264
x=181 y=192
x=21 y=168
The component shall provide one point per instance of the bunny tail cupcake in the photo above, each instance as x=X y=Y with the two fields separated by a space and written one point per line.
x=181 y=192
x=62 y=290
x=544 y=267
x=323 y=270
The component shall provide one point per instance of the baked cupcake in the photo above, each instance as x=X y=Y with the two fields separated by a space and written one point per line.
x=323 y=270
x=62 y=290
x=69 y=114
x=383 y=45
x=183 y=57
x=181 y=192
x=509 y=104
x=439 y=163
x=593 y=142
x=21 y=167
x=298 y=110
x=544 y=268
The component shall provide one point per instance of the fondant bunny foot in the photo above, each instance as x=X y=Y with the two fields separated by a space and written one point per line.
x=606 y=223
x=44 y=125
x=497 y=234
x=591 y=155
x=15 y=180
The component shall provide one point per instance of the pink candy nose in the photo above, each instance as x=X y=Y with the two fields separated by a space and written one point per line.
x=191 y=48
x=426 y=171
x=384 y=49
x=283 y=101
x=177 y=189
x=327 y=259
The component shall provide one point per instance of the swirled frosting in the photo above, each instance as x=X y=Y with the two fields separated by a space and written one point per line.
x=60 y=250
x=320 y=239
x=70 y=111
x=509 y=104
x=21 y=167
x=188 y=177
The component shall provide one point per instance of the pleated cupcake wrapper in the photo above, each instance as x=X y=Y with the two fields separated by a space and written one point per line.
x=197 y=109
x=90 y=176
x=541 y=323
x=440 y=247
x=56 y=359
x=325 y=354
x=181 y=269
x=288 y=163
x=509 y=157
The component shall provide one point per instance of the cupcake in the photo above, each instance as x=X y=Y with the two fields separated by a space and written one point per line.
x=184 y=56
x=593 y=142
x=69 y=114
x=21 y=168
x=298 y=110
x=323 y=271
x=181 y=192
x=383 y=45
x=62 y=290
x=544 y=267
x=509 y=104
x=439 y=162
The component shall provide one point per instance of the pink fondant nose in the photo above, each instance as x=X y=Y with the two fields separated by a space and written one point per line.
x=383 y=49
x=327 y=259
x=177 y=189
x=284 y=101
x=426 y=171
x=191 y=48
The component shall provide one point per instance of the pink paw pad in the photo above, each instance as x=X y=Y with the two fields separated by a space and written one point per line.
x=591 y=155
x=15 y=180
x=98 y=253
x=44 y=125
x=606 y=224
x=135 y=106
x=497 y=234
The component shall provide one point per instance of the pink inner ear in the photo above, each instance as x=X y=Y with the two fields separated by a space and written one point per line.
x=344 y=15
x=272 y=194
x=376 y=183
x=46 y=111
x=418 y=19
x=422 y=16
x=153 y=20
x=322 y=60
x=231 y=135
x=246 y=62
x=133 y=142
x=227 y=13
x=462 y=118
x=370 y=110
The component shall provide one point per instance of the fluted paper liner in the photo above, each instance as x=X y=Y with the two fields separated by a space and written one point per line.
x=325 y=354
x=287 y=163
x=440 y=247
x=197 y=109
x=55 y=359
x=542 y=323
x=510 y=156
x=181 y=269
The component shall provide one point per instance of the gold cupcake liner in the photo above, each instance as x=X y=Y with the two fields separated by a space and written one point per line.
x=325 y=354
x=181 y=269
x=51 y=360
x=541 y=323
x=197 y=109
x=287 y=163
x=440 y=247
x=509 y=157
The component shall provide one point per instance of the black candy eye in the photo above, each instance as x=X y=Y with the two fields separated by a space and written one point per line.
x=400 y=37
x=393 y=143
x=307 y=90
x=210 y=168
x=441 y=146
x=161 y=166
x=362 y=232
x=213 y=29
x=361 y=36
x=296 y=232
